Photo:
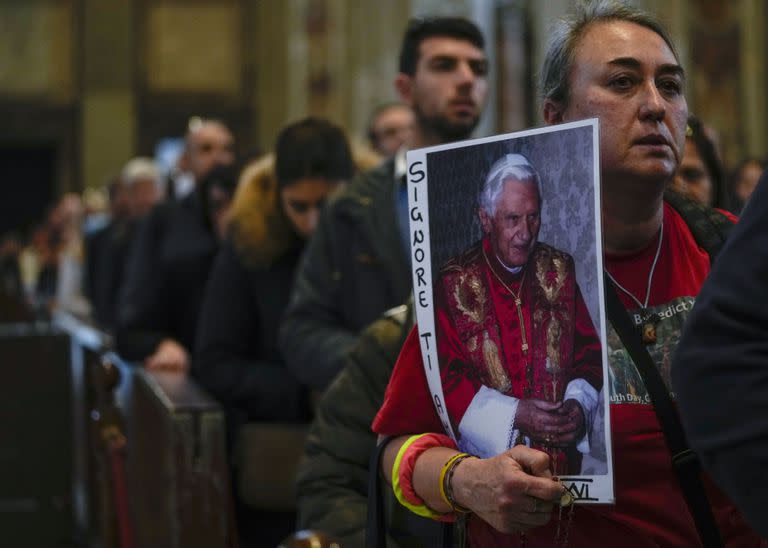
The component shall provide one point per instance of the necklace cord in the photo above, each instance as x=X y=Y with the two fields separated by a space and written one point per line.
x=643 y=305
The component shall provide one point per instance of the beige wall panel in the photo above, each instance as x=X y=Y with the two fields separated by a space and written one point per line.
x=36 y=50
x=273 y=43
x=372 y=57
x=421 y=8
x=356 y=48
x=297 y=75
x=193 y=48
x=336 y=66
x=674 y=14
x=108 y=45
x=105 y=149
x=268 y=18
x=753 y=82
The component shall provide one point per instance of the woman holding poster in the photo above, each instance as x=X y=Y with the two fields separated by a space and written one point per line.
x=615 y=63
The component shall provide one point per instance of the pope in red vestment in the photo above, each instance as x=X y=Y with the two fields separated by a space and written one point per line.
x=520 y=360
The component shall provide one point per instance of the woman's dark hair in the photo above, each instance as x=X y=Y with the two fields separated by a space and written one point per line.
x=420 y=29
x=710 y=157
x=564 y=37
x=312 y=147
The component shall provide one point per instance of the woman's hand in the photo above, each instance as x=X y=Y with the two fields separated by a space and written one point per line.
x=513 y=491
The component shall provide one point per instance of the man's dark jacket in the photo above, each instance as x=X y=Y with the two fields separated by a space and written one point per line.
x=720 y=370
x=353 y=270
x=106 y=256
x=168 y=266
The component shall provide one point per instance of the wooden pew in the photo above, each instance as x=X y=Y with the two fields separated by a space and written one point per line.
x=37 y=492
x=93 y=401
x=175 y=465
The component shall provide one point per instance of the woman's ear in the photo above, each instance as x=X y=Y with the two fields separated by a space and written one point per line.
x=552 y=112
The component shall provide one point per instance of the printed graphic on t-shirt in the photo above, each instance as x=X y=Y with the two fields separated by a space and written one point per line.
x=626 y=383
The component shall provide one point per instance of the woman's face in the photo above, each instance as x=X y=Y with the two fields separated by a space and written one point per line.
x=692 y=178
x=302 y=201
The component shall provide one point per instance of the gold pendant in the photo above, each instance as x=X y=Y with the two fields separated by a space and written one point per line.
x=648 y=327
x=649 y=332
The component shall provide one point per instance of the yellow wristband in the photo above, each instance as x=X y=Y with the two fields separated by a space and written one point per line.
x=421 y=509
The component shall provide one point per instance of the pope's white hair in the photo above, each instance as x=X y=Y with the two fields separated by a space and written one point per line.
x=510 y=166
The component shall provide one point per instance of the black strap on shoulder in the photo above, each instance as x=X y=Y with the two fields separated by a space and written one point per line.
x=710 y=228
x=684 y=461
x=376 y=531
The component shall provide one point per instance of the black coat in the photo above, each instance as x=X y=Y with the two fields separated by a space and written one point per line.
x=720 y=370
x=106 y=257
x=168 y=267
x=237 y=357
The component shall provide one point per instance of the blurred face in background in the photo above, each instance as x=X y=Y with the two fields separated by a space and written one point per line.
x=120 y=201
x=144 y=194
x=303 y=199
x=65 y=220
x=391 y=129
x=692 y=178
x=748 y=177
x=209 y=143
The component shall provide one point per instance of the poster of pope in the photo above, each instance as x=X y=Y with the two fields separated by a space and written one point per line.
x=508 y=228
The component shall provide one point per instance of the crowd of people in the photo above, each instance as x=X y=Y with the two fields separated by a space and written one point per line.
x=282 y=284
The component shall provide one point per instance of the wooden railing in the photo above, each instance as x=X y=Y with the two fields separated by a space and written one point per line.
x=147 y=450
x=37 y=447
x=177 y=464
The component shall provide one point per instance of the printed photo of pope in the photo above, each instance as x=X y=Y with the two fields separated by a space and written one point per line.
x=520 y=359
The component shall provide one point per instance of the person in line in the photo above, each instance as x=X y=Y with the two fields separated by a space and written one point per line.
x=744 y=180
x=616 y=63
x=700 y=175
x=169 y=261
x=390 y=128
x=208 y=142
x=133 y=194
x=332 y=481
x=275 y=211
x=356 y=266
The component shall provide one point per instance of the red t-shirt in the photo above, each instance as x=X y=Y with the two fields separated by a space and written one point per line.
x=649 y=509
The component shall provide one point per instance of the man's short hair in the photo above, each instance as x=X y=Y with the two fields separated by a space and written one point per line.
x=197 y=122
x=140 y=168
x=554 y=80
x=312 y=147
x=509 y=166
x=419 y=29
